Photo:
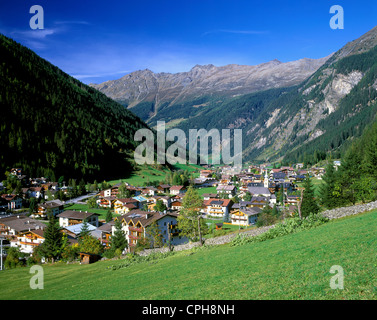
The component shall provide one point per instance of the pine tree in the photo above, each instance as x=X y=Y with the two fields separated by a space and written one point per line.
x=309 y=204
x=328 y=197
x=118 y=240
x=52 y=245
x=84 y=230
x=109 y=216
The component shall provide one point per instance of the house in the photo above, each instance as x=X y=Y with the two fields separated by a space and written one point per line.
x=13 y=201
x=176 y=205
x=204 y=174
x=53 y=206
x=73 y=231
x=208 y=196
x=245 y=216
x=14 y=225
x=135 y=225
x=258 y=201
x=141 y=201
x=175 y=190
x=217 y=207
x=105 y=233
x=123 y=206
x=259 y=191
x=28 y=240
x=106 y=202
x=69 y=217
x=165 y=200
x=229 y=190
x=163 y=188
x=150 y=191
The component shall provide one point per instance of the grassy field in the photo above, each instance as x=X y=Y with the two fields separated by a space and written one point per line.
x=85 y=207
x=296 y=266
x=150 y=174
x=207 y=190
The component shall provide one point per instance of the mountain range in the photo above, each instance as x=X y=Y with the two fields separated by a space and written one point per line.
x=304 y=110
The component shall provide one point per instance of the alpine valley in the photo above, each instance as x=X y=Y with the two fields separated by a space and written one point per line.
x=300 y=111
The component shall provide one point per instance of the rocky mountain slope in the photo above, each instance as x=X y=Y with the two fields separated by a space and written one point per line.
x=230 y=80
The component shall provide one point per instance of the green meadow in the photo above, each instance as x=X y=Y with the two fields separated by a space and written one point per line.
x=295 y=266
x=146 y=174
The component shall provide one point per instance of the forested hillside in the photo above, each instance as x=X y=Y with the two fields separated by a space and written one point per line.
x=52 y=125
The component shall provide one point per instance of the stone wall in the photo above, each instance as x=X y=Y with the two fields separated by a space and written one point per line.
x=349 y=211
x=331 y=214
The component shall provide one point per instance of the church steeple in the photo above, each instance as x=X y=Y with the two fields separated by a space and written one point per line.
x=266 y=179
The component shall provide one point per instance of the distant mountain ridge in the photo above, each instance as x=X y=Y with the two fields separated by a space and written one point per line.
x=230 y=80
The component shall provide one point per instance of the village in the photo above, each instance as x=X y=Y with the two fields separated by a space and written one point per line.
x=236 y=201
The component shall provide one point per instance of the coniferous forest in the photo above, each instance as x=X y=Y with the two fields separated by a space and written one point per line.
x=53 y=125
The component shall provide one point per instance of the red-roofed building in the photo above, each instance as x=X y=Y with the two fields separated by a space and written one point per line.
x=217 y=207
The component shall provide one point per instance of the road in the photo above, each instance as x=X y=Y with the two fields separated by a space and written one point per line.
x=81 y=198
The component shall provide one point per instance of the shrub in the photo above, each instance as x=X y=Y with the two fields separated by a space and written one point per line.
x=288 y=226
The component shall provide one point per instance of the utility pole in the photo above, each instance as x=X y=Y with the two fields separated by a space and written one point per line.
x=169 y=236
x=200 y=233
x=1 y=253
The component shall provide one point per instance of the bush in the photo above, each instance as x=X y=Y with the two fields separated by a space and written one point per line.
x=70 y=253
x=288 y=226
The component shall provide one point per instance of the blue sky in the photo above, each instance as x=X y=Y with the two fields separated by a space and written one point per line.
x=96 y=41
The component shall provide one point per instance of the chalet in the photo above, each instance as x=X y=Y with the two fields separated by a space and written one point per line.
x=278 y=176
x=165 y=199
x=229 y=190
x=177 y=190
x=176 y=205
x=204 y=174
x=13 y=201
x=53 y=206
x=33 y=192
x=69 y=217
x=150 y=191
x=105 y=193
x=105 y=233
x=123 y=206
x=141 y=201
x=245 y=217
x=28 y=240
x=217 y=207
x=163 y=188
x=259 y=202
x=105 y=202
x=50 y=186
x=136 y=223
x=13 y=226
x=242 y=204
x=73 y=231
x=208 y=196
